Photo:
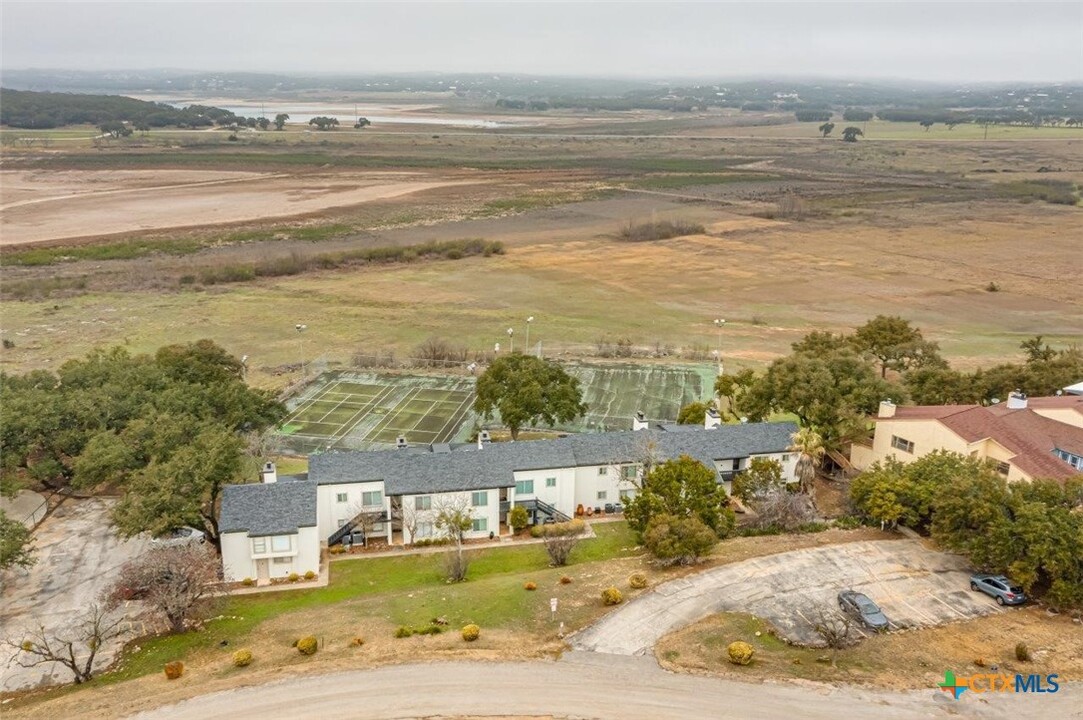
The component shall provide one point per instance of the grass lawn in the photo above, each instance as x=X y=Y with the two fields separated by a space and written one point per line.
x=408 y=590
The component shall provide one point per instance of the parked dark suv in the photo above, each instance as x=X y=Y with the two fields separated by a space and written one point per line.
x=861 y=608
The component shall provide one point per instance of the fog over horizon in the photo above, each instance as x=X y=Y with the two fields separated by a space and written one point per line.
x=932 y=42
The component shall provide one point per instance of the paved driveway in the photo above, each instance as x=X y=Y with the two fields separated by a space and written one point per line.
x=78 y=557
x=915 y=586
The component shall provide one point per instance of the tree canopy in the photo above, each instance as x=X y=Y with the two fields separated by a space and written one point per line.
x=324 y=123
x=694 y=413
x=527 y=390
x=165 y=430
x=16 y=544
x=896 y=344
x=851 y=134
x=681 y=488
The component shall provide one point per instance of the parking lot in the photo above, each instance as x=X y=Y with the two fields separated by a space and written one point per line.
x=78 y=557
x=915 y=587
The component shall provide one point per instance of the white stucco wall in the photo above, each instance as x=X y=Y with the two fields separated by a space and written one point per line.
x=589 y=482
x=239 y=560
x=332 y=514
x=561 y=496
x=490 y=512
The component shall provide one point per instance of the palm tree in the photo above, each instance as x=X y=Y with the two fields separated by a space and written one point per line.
x=809 y=446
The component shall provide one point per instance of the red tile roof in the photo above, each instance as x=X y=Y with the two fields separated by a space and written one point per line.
x=1032 y=437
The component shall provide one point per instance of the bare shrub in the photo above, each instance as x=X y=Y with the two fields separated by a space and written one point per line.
x=658 y=230
x=178 y=582
x=791 y=207
x=75 y=648
x=780 y=508
x=834 y=629
x=559 y=548
x=375 y=358
x=437 y=352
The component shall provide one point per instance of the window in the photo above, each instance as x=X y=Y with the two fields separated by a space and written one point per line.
x=626 y=495
x=601 y=494
x=628 y=472
x=378 y=528
x=1003 y=468
x=550 y=482
x=283 y=560
x=603 y=470
x=736 y=463
x=901 y=444
x=259 y=545
x=372 y=499
x=340 y=497
x=479 y=499
x=785 y=458
x=481 y=524
x=424 y=530
x=423 y=502
x=524 y=487
x=281 y=543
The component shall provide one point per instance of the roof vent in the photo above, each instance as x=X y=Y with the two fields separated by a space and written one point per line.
x=639 y=421
x=1017 y=401
x=400 y=442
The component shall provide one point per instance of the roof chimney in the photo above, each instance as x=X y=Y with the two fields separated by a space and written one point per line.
x=1017 y=401
x=269 y=473
x=483 y=439
x=400 y=442
x=639 y=421
x=887 y=409
x=711 y=419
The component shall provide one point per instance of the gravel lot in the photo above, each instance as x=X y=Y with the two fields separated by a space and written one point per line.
x=915 y=586
x=78 y=556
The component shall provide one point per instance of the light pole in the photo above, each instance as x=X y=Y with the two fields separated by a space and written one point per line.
x=244 y=368
x=719 y=323
x=511 y=340
x=528 y=321
x=301 y=340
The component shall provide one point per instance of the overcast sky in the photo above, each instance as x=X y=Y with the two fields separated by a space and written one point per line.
x=969 y=41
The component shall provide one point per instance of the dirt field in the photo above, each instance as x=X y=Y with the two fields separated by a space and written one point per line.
x=899 y=661
x=50 y=206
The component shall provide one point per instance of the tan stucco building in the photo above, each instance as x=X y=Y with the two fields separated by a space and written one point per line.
x=1027 y=438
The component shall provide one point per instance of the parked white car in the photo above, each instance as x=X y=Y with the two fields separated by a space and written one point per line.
x=179 y=536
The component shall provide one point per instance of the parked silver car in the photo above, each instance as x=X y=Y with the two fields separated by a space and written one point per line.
x=861 y=608
x=1003 y=590
x=179 y=536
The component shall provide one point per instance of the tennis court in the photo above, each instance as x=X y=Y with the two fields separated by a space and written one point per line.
x=362 y=411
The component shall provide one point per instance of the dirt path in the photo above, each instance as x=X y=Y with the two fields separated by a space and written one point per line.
x=581 y=686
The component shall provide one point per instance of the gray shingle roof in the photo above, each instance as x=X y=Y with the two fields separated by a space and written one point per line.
x=268 y=508
x=410 y=471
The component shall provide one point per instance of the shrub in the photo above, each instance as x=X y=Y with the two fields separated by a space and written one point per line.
x=337 y=549
x=174 y=670
x=471 y=633
x=638 y=581
x=530 y=586
x=1022 y=652
x=357 y=641
x=310 y=575
x=293 y=577
x=678 y=541
x=612 y=596
x=740 y=653
x=564 y=529
x=518 y=518
x=242 y=658
x=565 y=580
x=848 y=522
x=404 y=631
x=658 y=230
x=248 y=582
x=307 y=645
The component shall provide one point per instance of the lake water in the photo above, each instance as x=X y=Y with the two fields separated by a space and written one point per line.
x=347 y=113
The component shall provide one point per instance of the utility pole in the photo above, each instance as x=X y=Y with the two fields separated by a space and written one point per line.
x=301 y=340
x=528 y=321
x=511 y=340
x=719 y=323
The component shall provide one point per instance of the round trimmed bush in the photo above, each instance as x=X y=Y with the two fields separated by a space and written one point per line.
x=740 y=652
x=174 y=670
x=293 y=577
x=530 y=586
x=242 y=658
x=309 y=575
x=248 y=582
x=565 y=580
x=307 y=645
x=357 y=641
x=612 y=596
x=637 y=581
x=471 y=632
